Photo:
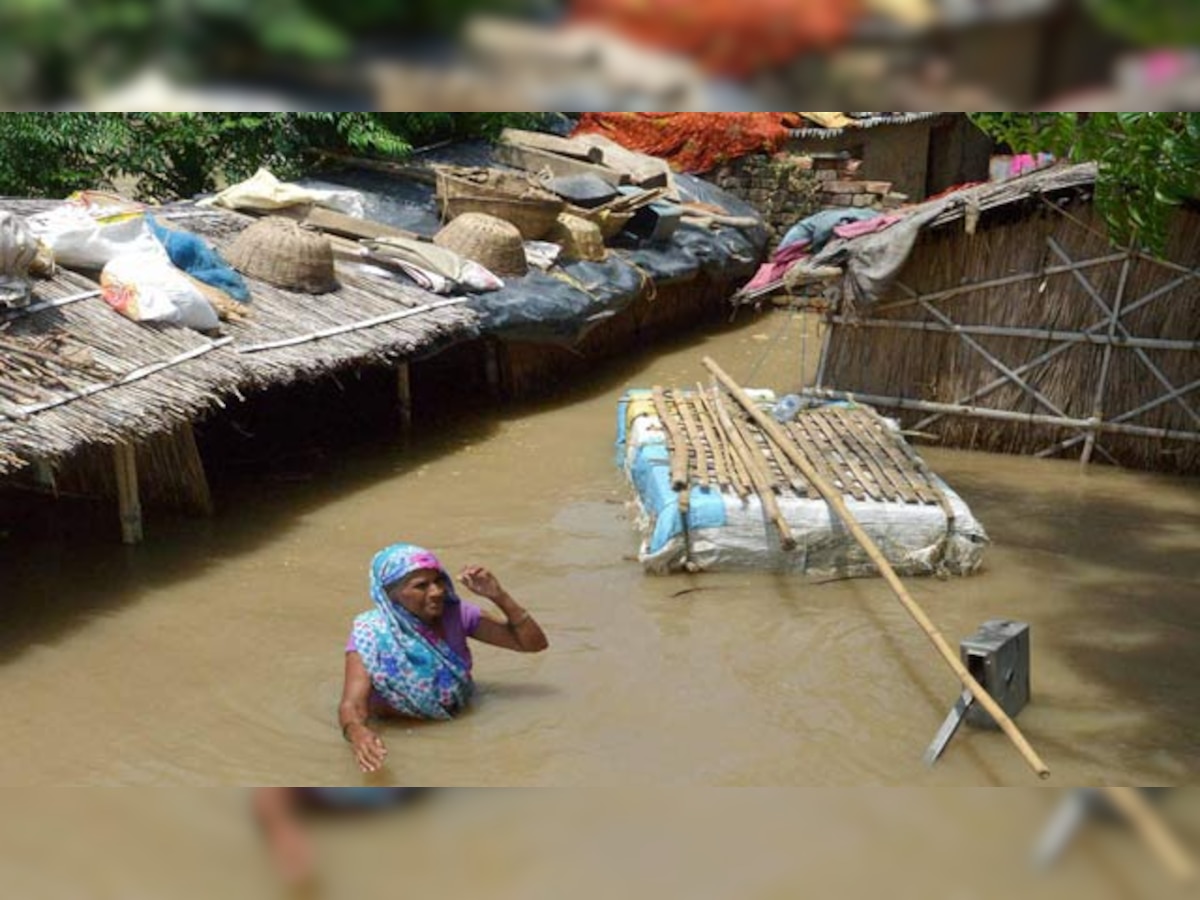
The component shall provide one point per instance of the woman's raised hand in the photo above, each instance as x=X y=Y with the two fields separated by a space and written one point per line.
x=370 y=752
x=480 y=580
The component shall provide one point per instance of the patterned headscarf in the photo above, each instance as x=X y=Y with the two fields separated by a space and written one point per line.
x=416 y=672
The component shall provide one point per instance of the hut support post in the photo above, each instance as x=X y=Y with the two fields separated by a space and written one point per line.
x=128 y=502
x=1114 y=320
x=197 y=491
x=404 y=397
x=823 y=359
x=838 y=508
x=492 y=369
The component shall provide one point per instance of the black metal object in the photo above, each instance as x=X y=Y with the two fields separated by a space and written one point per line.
x=998 y=657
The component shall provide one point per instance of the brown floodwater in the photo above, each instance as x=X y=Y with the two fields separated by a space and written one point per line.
x=704 y=844
x=213 y=654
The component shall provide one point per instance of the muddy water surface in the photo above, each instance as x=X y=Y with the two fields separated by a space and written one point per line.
x=212 y=655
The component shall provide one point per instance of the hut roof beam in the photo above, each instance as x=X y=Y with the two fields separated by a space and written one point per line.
x=1118 y=327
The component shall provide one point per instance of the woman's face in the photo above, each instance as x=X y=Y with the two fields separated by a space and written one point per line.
x=422 y=593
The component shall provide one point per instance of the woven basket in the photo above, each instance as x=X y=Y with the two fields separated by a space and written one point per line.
x=512 y=197
x=285 y=254
x=579 y=238
x=493 y=243
x=611 y=221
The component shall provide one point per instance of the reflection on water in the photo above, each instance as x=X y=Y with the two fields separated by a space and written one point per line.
x=545 y=845
x=213 y=655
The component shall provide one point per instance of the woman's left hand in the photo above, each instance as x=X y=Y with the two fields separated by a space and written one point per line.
x=481 y=581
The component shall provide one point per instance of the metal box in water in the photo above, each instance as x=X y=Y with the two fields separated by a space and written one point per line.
x=997 y=655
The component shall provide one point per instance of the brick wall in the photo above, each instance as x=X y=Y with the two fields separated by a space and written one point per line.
x=786 y=187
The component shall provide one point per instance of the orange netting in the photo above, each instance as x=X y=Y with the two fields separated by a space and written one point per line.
x=694 y=142
x=730 y=37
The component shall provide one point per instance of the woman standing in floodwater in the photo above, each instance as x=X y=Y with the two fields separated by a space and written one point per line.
x=409 y=656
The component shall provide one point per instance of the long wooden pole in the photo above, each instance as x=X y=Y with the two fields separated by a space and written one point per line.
x=1115 y=425
x=834 y=498
x=1154 y=831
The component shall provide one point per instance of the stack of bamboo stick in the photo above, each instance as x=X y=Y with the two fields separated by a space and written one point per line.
x=33 y=370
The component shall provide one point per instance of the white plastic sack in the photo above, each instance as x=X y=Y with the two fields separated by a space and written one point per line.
x=80 y=240
x=264 y=191
x=147 y=288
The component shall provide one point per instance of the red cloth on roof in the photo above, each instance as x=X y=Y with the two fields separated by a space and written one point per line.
x=731 y=37
x=693 y=142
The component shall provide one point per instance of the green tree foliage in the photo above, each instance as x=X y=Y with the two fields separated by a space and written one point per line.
x=182 y=154
x=56 y=49
x=1149 y=163
x=1155 y=23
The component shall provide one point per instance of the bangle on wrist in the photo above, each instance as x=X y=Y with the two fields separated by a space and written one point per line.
x=520 y=620
x=348 y=726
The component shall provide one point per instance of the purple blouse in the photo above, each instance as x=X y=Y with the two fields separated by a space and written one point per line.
x=456 y=629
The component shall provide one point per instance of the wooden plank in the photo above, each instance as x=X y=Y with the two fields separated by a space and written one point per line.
x=850 y=477
x=893 y=488
x=640 y=168
x=552 y=143
x=791 y=474
x=914 y=488
x=711 y=437
x=849 y=452
x=538 y=161
x=808 y=447
x=694 y=435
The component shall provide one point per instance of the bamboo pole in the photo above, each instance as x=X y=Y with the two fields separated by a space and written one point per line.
x=1001 y=282
x=737 y=471
x=136 y=375
x=352 y=326
x=997 y=364
x=677 y=447
x=404 y=396
x=128 y=503
x=711 y=438
x=1127 y=340
x=1154 y=831
x=755 y=465
x=1053 y=352
x=1105 y=363
x=1114 y=426
x=1036 y=334
x=838 y=506
x=1117 y=426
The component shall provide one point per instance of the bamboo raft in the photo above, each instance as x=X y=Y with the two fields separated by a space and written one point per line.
x=718 y=490
x=854 y=448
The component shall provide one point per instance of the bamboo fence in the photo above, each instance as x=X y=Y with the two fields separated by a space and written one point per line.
x=1032 y=333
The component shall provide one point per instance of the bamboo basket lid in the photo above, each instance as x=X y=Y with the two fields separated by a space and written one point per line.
x=286 y=254
x=493 y=243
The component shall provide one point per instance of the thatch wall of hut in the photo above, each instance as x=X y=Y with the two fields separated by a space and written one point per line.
x=1048 y=330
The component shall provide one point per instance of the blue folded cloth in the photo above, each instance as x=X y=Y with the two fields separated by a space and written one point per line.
x=193 y=255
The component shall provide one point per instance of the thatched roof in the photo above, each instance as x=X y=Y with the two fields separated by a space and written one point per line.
x=873 y=121
x=141 y=379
